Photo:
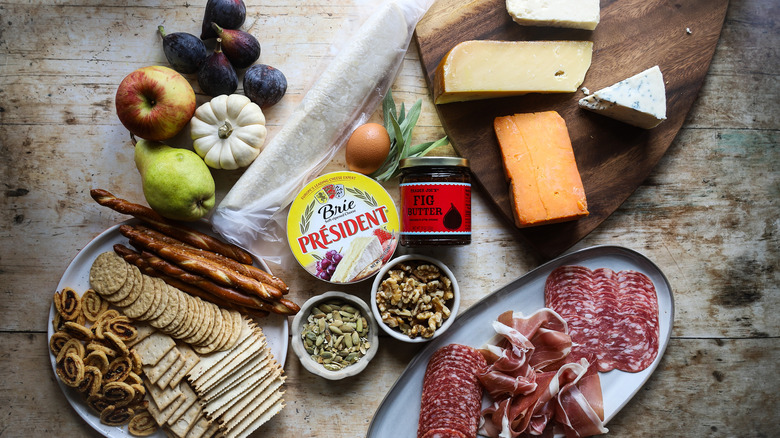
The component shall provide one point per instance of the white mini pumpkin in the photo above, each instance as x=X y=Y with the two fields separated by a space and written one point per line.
x=228 y=132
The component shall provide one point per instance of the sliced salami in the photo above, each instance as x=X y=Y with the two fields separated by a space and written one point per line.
x=612 y=316
x=452 y=395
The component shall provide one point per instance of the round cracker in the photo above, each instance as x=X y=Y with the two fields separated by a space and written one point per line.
x=229 y=330
x=156 y=294
x=133 y=277
x=170 y=311
x=205 y=328
x=184 y=319
x=209 y=344
x=197 y=318
x=108 y=273
x=144 y=300
x=161 y=290
x=182 y=313
x=135 y=293
x=238 y=320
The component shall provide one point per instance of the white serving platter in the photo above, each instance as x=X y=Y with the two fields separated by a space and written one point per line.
x=398 y=413
x=76 y=276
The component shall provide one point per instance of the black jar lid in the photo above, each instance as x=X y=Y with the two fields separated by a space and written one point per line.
x=433 y=162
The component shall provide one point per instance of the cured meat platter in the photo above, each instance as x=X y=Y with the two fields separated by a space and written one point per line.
x=613 y=158
x=398 y=413
x=76 y=276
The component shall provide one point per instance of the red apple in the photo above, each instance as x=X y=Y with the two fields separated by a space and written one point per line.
x=155 y=103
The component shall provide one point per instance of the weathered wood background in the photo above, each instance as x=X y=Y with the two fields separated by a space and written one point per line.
x=708 y=214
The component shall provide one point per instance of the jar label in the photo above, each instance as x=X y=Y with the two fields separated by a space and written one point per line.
x=436 y=208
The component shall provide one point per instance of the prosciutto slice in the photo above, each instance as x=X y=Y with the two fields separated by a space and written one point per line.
x=533 y=386
x=612 y=316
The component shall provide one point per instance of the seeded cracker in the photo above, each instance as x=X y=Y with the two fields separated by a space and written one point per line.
x=144 y=300
x=164 y=299
x=197 y=319
x=133 y=277
x=170 y=311
x=135 y=292
x=108 y=273
x=205 y=328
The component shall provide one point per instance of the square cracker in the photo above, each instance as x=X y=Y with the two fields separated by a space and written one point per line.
x=190 y=360
x=167 y=376
x=190 y=398
x=154 y=372
x=154 y=348
x=162 y=398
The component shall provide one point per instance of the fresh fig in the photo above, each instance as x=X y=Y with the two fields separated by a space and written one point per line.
x=185 y=52
x=229 y=14
x=217 y=76
x=264 y=85
x=241 y=48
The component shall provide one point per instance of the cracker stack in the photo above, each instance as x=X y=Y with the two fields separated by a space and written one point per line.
x=240 y=389
x=202 y=324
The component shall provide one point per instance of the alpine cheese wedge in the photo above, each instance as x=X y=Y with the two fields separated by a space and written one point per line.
x=544 y=183
x=574 y=14
x=639 y=100
x=485 y=69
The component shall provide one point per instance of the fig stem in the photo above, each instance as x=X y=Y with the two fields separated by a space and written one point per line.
x=216 y=28
x=161 y=29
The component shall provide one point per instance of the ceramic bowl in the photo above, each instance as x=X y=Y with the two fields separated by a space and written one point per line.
x=454 y=304
x=301 y=319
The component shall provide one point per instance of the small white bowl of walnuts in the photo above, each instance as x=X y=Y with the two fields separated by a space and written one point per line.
x=415 y=298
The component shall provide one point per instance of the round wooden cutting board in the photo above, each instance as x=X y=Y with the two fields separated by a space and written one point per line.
x=613 y=158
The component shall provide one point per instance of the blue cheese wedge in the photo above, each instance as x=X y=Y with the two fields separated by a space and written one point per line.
x=575 y=14
x=363 y=252
x=639 y=100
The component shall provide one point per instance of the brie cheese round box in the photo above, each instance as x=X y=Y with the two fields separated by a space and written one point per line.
x=343 y=227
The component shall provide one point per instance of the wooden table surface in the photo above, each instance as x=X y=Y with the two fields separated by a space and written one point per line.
x=707 y=215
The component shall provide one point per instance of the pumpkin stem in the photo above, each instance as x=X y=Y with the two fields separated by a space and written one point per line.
x=225 y=130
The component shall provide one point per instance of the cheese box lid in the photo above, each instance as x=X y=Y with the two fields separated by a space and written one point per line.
x=343 y=227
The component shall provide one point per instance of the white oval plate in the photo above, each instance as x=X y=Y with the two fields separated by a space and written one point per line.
x=398 y=413
x=76 y=276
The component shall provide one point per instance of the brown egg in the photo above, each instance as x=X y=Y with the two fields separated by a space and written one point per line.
x=367 y=148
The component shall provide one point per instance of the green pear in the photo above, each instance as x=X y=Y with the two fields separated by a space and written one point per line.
x=177 y=183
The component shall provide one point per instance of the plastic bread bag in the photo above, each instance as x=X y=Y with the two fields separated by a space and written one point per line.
x=253 y=214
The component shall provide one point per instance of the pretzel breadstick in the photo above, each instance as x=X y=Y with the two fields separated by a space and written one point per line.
x=198 y=264
x=159 y=223
x=248 y=270
x=229 y=294
x=198 y=287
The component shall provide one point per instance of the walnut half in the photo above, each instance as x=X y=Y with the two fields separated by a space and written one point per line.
x=413 y=297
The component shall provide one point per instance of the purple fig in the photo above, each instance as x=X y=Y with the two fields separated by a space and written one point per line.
x=229 y=14
x=241 y=48
x=217 y=76
x=264 y=85
x=185 y=52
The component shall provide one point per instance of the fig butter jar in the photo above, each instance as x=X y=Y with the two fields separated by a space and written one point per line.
x=435 y=201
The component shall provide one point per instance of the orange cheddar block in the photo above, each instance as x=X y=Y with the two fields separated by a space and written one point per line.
x=545 y=184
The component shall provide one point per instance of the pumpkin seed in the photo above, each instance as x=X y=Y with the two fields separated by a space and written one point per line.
x=335 y=335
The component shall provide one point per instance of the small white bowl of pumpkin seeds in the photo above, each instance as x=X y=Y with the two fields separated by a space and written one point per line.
x=335 y=335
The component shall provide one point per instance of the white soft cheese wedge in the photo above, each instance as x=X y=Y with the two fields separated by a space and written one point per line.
x=639 y=100
x=575 y=14
x=483 y=69
x=361 y=252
